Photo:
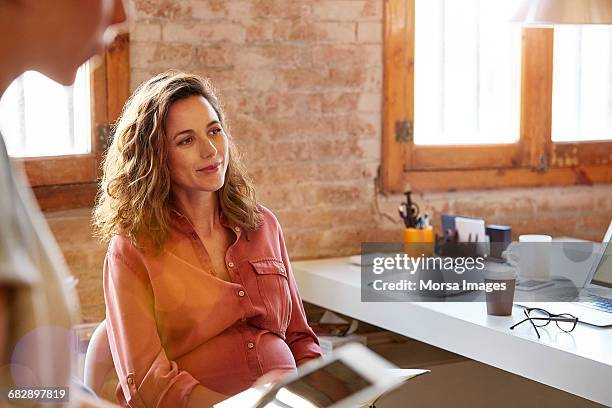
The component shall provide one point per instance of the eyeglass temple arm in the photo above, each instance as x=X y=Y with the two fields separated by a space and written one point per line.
x=524 y=320
x=516 y=324
x=560 y=319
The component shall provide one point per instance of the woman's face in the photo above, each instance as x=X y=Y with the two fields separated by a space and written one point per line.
x=197 y=146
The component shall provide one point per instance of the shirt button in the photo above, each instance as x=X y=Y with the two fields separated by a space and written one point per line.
x=241 y=293
x=130 y=379
x=237 y=229
x=250 y=345
x=230 y=264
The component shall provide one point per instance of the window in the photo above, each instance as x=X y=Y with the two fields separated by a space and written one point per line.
x=60 y=133
x=467 y=71
x=39 y=117
x=472 y=101
x=582 y=84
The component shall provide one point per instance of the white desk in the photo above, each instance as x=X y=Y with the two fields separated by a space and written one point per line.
x=579 y=362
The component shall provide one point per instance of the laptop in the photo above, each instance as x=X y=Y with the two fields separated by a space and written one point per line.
x=594 y=302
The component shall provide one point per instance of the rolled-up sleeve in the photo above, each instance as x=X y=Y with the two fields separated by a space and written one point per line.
x=300 y=338
x=147 y=377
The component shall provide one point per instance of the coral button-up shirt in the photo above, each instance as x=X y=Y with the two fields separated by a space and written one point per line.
x=172 y=324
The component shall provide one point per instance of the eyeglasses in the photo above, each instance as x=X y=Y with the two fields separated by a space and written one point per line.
x=540 y=318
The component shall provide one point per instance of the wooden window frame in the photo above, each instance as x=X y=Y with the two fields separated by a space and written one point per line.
x=532 y=162
x=64 y=182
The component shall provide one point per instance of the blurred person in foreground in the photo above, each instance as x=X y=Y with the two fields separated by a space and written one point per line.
x=36 y=310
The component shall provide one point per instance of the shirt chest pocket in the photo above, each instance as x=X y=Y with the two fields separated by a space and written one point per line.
x=273 y=286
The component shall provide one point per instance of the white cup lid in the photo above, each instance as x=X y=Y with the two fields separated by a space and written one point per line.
x=535 y=238
x=499 y=271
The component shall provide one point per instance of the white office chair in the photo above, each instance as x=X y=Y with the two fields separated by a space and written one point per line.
x=99 y=370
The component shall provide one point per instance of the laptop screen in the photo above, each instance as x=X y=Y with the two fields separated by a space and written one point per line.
x=603 y=274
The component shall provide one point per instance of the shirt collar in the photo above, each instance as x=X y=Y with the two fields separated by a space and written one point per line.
x=183 y=223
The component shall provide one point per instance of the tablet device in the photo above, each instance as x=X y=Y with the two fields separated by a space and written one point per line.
x=352 y=376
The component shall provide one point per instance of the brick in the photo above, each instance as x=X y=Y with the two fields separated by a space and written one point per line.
x=372 y=9
x=298 y=128
x=294 y=151
x=334 y=194
x=161 y=56
x=168 y=9
x=348 y=238
x=239 y=79
x=337 y=78
x=333 y=102
x=294 y=173
x=322 y=150
x=344 y=170
x=247 y=128
x=308 y=31
x=308 y=79
x=351 y=77
x=321 y=217
x=140 y=54
x=215 y=56
x=341 y=10
x=143 y=31
x=370 y=32
x=259 y=33
x=346 y=54
x=300 y=243
x=282 y=196
x=262 y=103
x=215 y=10
x=198 y=33
x=357 y=125
x=278 y=9
x=178 y=56
x=270 y=56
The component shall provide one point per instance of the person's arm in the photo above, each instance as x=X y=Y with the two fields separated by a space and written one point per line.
x=301 y=339
x=147 y=377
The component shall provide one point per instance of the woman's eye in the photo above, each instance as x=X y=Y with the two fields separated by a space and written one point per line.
x=215 y=131
x=185 y=141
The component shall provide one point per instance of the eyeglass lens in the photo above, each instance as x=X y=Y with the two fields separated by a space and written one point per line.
x=540 y=317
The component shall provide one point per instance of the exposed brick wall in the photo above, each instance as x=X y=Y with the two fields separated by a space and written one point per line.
x=302 y=86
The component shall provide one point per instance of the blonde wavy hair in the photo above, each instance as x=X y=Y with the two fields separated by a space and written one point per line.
x=135 y=197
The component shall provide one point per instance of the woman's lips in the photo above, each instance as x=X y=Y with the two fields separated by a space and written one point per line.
x=210 y=169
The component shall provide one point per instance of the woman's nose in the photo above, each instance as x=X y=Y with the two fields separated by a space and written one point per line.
x=207 y=148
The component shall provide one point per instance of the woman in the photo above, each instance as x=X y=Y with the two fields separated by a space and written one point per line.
x=200 y=297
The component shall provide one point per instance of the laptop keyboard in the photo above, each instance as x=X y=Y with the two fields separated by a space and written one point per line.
x=596 y=302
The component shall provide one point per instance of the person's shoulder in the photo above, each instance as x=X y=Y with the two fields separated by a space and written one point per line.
x=121 y=245
x=269 y=219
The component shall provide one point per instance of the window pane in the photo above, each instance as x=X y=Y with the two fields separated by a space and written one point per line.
x=467 y=73
x=39 y=117
x=582 y=84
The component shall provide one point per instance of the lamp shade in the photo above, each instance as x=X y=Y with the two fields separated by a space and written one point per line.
x=552 y=12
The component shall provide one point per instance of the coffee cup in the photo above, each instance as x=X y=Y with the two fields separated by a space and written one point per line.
x=500 y=298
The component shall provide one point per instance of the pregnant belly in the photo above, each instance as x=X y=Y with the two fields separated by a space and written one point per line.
x=227 y=365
